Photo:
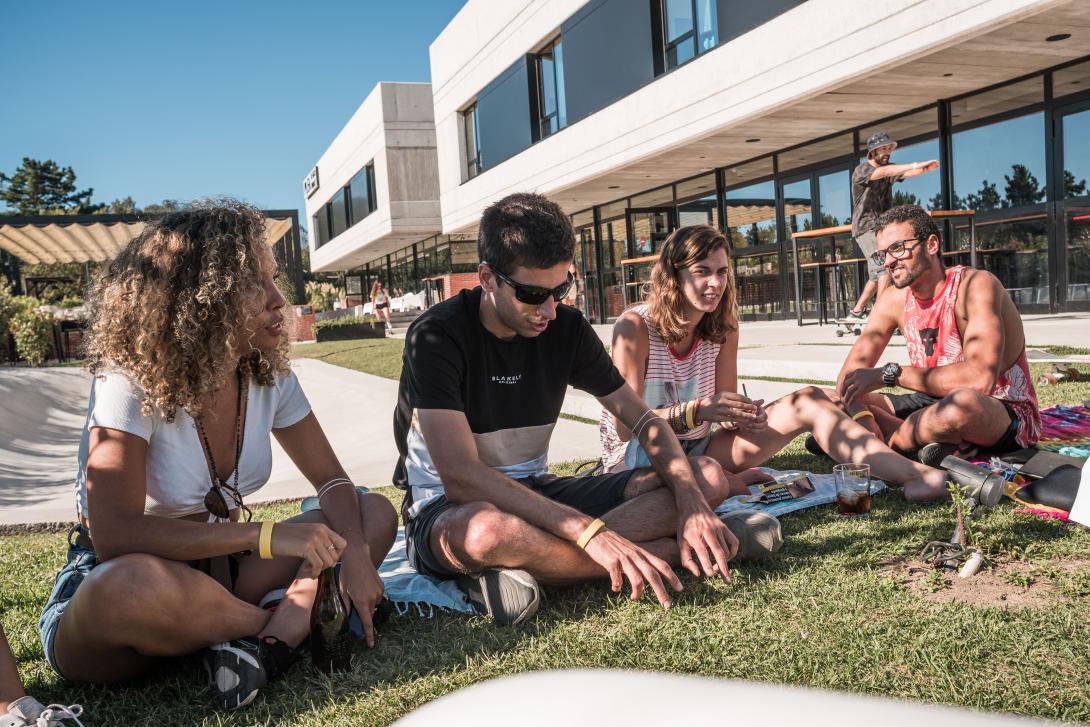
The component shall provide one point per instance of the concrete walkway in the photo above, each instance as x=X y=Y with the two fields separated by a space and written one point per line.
x=783 y=349
x=44 y=410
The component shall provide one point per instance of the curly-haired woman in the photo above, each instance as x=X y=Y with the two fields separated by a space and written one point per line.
x=190 y=359
x=679 y=351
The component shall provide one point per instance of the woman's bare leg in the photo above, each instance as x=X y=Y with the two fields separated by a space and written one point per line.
x=291 y=621
x=808 y=409
x=136 y=608
x=11 y=687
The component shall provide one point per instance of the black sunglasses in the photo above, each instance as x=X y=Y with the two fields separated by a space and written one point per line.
x=897 y=250
x=533 y=295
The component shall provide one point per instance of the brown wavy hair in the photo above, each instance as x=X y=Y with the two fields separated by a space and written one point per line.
x=684 y=247
x=173 y=310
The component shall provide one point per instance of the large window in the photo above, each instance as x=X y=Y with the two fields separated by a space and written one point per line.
x=472 y=132
x=750 y=204
x=320 y=223
x=1000 y=165
x=686 y=28
x=834 y=191
x=696 y=202
x=1076 y=154
x=999 y=171
x=550 y=112
x=348 y=206
x=338 y=213
x=361 y=191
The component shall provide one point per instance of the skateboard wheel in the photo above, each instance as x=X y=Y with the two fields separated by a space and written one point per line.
x=858 y=331
x=839 y=333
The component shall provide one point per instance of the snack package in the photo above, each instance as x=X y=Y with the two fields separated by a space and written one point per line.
x=786 y=486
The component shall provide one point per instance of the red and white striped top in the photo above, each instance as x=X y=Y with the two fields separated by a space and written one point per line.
x=670 y=378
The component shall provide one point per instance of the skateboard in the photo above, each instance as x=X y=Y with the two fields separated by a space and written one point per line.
x=844 y=326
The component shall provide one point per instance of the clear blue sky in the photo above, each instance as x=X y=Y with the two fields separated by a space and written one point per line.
x=181 y=100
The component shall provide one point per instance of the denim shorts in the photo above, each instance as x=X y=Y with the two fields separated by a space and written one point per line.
x=81 y=561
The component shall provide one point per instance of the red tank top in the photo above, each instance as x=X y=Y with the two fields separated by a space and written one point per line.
x=931 y=332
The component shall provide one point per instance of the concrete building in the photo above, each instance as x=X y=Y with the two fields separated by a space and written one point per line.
x=375 y=192
x=639 y=116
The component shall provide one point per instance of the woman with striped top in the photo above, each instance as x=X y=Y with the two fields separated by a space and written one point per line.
x=679 y=351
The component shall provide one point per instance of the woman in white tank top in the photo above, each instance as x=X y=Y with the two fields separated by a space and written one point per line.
x=192 y=377
x=679 y=351
x=380 y=301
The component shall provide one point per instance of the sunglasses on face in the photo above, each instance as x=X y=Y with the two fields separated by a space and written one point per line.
x=898 y=250
x=532 y=294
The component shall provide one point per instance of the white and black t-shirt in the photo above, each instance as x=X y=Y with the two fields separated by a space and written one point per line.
x=511 y=391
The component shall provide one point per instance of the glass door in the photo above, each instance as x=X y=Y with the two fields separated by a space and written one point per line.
x=613 y=242
x=797 y=204
x=649 y=228
x=590 y=283
x=1071 y=216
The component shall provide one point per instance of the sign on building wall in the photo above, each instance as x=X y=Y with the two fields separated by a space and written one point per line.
x=310 y=183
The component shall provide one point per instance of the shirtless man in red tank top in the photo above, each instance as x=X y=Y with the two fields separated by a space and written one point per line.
x=972 y=390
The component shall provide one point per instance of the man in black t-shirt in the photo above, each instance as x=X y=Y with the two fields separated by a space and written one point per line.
x=872 y=194
x=484 y=377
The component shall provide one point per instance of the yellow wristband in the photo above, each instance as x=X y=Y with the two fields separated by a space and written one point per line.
x=862 y=414
x=264 y=541
x=690 y=414
x=589 y=533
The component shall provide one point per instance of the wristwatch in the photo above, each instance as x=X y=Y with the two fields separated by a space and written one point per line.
x=890 y=373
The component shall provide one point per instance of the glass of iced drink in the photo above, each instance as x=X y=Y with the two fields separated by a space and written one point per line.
x=852 y=489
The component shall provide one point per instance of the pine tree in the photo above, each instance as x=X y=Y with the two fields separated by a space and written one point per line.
x=45 y=188
x=1022 y=187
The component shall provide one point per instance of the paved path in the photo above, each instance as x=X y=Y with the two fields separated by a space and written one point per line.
x=44 y=410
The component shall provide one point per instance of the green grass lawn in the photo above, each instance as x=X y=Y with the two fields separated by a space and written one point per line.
x=826 y=613
x=378 y=356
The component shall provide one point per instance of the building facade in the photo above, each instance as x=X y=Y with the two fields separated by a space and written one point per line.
x=639 y=116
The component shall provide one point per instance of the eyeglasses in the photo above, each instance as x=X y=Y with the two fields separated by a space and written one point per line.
x=898 y=250
x=532 y=294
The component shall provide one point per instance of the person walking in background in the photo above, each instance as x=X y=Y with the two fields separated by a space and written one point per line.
x=380 y=302
x=872 y=194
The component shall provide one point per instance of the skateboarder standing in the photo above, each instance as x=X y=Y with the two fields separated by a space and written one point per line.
x=872 y=194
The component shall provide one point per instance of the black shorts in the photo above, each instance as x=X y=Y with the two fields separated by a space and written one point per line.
x=592 y=495
x=905 y=404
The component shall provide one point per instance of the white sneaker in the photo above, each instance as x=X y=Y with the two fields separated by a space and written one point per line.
x=29 y=712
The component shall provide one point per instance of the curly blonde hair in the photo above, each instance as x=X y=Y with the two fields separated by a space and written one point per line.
x=684 y=247
x=173 y=310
